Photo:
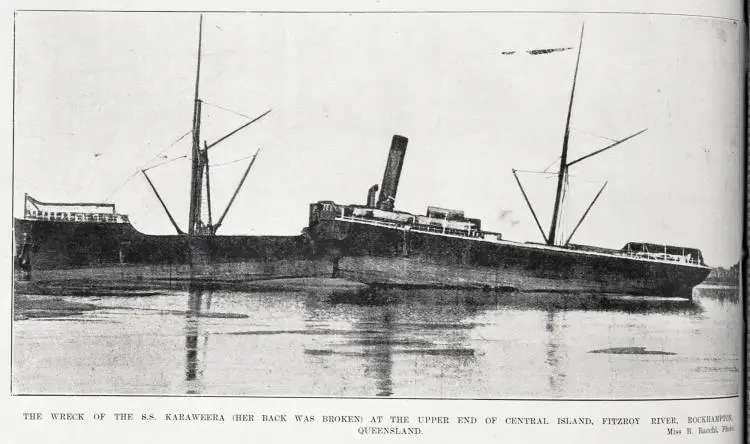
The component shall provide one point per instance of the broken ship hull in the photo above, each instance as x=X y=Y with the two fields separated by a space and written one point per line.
x=91 y=241
x=62 y=249
x=399 y=256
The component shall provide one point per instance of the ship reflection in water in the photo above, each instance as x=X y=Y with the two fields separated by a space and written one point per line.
x=192 y=334
x=399 y=343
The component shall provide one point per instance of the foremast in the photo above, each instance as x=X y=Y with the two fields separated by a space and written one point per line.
x=200 y=165
x=199 y=157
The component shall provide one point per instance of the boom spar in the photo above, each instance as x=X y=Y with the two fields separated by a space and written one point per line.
x=163 y=205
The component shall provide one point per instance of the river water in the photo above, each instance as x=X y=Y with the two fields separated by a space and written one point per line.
x=399 y=343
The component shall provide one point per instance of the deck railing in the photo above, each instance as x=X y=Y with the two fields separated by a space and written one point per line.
x=666 y=257
x=70 y=216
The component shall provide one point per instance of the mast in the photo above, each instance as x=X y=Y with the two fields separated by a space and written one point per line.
x=563 y=171
x=208 y=187
x=200 y=164
x=196 y=171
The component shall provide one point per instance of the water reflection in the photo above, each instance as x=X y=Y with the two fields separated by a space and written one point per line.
x=431 y=331
x=378 y=349
x=406 y=343
x=571 y=302
x=555 y=352
x=398 y=326
x=478 y=300
x=193 y=370
x=443 y=323
x=723 y=294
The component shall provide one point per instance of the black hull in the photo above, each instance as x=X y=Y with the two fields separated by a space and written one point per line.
x=379 y=255
x=118 y=250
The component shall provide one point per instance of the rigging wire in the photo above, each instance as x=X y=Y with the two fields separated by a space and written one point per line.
x=552 y=174
x=565 y=226
x=165 y=162
x=230 y=162
x=175 y=142
x=552 y=164
x=548 y=173
x=168 y=147
x=138 y=170
x=226 y=109
x=594 y=134
x=121 y=185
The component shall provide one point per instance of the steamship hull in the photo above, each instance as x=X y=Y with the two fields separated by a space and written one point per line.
x=388 y=256
x=92 y=241
x=62 y=249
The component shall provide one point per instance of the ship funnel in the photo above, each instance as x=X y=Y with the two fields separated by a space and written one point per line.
x=392 y=173
x=372 y=194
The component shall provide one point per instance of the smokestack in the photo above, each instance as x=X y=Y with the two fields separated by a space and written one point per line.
x=372 y=195
x=392 y=173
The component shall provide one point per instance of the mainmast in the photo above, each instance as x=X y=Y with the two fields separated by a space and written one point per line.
x=196 y=171
x=563 y=171
x=562 y=174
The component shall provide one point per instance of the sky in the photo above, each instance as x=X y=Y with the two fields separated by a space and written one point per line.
x=99 y=96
